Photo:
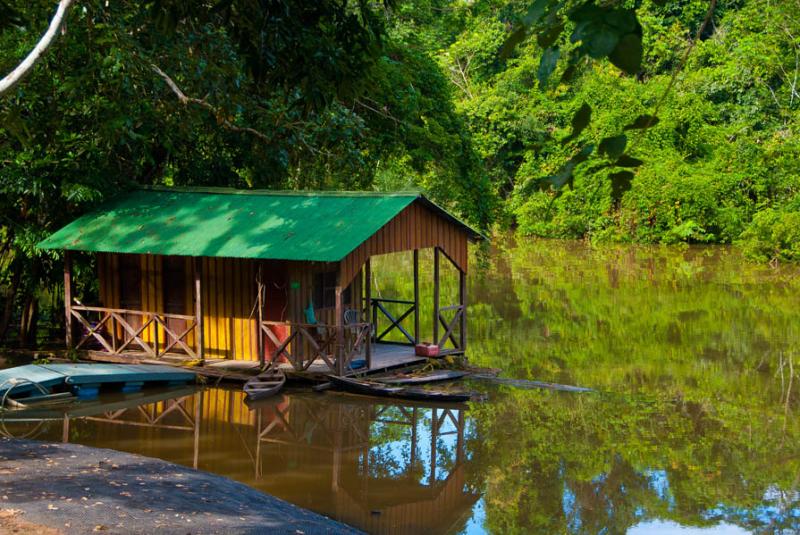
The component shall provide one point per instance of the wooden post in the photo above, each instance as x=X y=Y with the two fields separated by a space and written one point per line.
x=68 y=298
x=368 y=304
x=339 y=331
x=416 y=296
x=436 y=295
x=198 y=308
x=260 y=320
x=462 y=300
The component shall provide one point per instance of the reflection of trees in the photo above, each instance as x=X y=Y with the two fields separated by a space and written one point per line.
x=712 y=340
x=568 y=464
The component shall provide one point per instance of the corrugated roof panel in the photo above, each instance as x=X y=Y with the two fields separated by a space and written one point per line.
x=230 y=223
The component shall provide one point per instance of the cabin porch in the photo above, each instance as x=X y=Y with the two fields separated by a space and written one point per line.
x=374 y=333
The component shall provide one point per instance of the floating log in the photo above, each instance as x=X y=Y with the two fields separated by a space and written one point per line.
x=524 y=383
x=421 y=378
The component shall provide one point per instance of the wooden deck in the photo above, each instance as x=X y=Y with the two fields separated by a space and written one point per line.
x=385 y=356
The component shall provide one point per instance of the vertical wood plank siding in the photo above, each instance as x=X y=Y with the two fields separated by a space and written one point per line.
x=228 y=292
x=416 y=227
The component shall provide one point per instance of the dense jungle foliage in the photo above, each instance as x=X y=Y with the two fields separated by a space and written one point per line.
x=493 y=107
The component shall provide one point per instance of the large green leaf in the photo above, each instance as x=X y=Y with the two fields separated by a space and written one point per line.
x=628 y=161
x=613 y=147
x=547 y=65
x=627 y=54
x=580 y=121
x=516 y=37
x=620 y=183
x=642 y=122
x=535 y=12
x=549 y=36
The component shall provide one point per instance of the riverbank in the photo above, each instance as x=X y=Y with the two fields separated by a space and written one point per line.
x=69 y=488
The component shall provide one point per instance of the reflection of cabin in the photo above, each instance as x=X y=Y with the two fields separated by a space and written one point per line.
x=390 y=467
x=257 y=275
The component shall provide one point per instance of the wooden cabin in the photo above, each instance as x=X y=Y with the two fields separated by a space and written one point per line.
x=260 y=276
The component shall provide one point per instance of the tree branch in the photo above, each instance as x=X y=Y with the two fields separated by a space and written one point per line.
x=15 y=76
x=203 y=103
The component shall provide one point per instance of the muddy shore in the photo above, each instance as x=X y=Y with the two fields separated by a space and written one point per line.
x=68 y=488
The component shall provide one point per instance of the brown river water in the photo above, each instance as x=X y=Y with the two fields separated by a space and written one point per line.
x=693 y=355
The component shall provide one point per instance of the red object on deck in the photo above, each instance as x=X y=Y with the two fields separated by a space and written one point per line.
x=427 y=350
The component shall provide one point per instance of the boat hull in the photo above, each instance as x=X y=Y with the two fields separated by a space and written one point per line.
x=372 y=388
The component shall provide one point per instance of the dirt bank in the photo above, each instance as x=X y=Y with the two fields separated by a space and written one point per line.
x=76 y=489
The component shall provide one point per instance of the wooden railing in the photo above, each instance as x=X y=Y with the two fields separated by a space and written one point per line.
x=380 y=310
x=449 y=327
x=111 y=328
x=307 y=343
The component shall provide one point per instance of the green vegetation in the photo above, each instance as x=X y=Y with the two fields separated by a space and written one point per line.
x=558 y=120
x=694 y=355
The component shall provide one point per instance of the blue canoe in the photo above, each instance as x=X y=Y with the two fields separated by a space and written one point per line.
x=85 y=380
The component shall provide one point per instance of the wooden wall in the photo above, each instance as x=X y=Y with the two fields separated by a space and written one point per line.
x=416 y=227
x=228 y=296
x=301 y=277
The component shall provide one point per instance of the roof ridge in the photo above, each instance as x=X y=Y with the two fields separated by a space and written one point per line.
x=276 y=192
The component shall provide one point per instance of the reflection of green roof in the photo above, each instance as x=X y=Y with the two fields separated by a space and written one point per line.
x=316 y=226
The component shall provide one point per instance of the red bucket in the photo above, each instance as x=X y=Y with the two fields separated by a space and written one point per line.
x=427 y=350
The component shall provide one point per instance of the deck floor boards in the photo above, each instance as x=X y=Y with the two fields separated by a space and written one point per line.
x=384 y=357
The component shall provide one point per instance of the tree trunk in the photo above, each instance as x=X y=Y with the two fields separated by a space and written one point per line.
x=15 y=76
x=29 y=322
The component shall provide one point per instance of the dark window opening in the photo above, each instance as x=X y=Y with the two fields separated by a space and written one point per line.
x=174 y=283
x=324 y=292
x=130 y=282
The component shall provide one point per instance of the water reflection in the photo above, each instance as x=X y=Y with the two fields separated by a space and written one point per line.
x=533 y=462
x=387 y=467
x=695 y=353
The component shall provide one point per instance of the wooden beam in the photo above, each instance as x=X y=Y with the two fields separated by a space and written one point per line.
x=368 y=304
x=68 y=298
x=260 y=319
x=198 y=308
x=416 y=296
x=435 y=295
x=339 y=331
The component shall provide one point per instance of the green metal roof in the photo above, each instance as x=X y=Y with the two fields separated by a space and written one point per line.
x=313 y=226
